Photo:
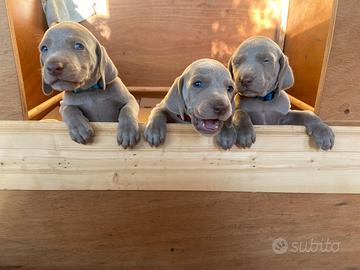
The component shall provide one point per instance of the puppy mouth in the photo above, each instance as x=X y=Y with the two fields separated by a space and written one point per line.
x=63 y=85
x=248 y=93
x=207 y=126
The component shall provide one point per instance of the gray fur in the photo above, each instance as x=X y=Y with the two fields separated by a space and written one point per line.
x=82 y=69
x=184 y=99
x=259 y=67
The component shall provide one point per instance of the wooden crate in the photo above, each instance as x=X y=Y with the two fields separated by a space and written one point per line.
x=187 y=204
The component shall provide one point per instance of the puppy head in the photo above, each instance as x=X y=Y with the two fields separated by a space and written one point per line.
x=259 y=66
x=204 y=92
x=71 y=57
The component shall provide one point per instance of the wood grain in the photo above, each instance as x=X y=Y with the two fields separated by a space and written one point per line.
x=12 y=105
x=41 y=156
x=29 y=27
x=151 y=42
x=338 y=100
x=35 y=112
x=137 y=230
x=306 y=37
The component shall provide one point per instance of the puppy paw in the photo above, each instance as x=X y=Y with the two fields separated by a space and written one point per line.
x=322 y=134
x=155 y=134
x=226 y=138
x=81 y=132
x=128 y=134
x=245 y=136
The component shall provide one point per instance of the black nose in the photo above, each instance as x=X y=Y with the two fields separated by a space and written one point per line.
x=247 y=80
x=55 y=68
x=220 y=109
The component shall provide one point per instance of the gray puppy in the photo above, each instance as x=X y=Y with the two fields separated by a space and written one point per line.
x=202 y=96
x=261 y=73
x=73 y=60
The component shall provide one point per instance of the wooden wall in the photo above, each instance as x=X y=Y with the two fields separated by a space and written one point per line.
x=338 y=99
x=152 y=42
x=137 y=230
x=12 y=103
x=306 y=37
x=29 y=26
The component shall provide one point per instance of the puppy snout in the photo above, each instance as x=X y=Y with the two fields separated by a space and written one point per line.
x=247 y=80
x=220 y=109
x=55 y=68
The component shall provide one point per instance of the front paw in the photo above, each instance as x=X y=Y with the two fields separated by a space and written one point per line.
x=128 y=134
x=323 y=135
x=155 y=134
x=81 y=132
x=226 y=138
x=245 y=136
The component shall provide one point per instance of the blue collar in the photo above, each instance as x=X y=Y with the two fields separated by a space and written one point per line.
x=97 y=86
x=269 y=97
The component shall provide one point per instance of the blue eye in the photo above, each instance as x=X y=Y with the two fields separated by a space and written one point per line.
x=198 y=84
x=230 y=88
x=79 y=46
x=44 y=48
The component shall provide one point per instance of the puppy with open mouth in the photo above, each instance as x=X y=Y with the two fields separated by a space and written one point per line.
x=73 y=60
x=201 y=96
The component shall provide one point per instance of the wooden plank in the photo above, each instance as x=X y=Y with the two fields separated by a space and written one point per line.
x=135 y=230
x=45 y=106
x=29 y=25
x=151 y=42
x=338 y=100
x=41 y=156
x=306 y=37
x=299 y=104
x=12 y=104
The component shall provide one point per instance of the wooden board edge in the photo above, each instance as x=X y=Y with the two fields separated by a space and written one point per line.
x=326 y=59
x=241 y=178
x=17 y=63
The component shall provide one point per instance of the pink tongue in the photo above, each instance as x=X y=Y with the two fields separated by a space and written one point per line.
x=211 y=124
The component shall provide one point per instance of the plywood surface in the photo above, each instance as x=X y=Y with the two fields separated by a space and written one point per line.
x=175 y=230
x=151 y=42
x=12 y=106
x=29 y=27
x=338 y=99
x=41 y=156
x=306 y=36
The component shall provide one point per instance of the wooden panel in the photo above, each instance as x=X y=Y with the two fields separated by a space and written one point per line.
x=29 y=26
x=176 y=230
x=306 y=35
x=151 y=42
x=338 y=98
x=12 y=106
x=41 y=156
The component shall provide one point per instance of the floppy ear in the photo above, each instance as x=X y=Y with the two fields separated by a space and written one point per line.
x=175 y=99
x=230 y=67
x=46 y=88
x=108 y=71
x=286 y=76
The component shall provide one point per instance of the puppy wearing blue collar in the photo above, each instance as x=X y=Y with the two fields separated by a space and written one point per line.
x=262 y=73
x=73 y=61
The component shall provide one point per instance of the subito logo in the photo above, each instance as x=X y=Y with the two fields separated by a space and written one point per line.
x=280 y=246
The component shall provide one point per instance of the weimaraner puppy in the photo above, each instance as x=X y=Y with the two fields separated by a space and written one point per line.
x=203 y=96
x=73 y=60
x=261 y=73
